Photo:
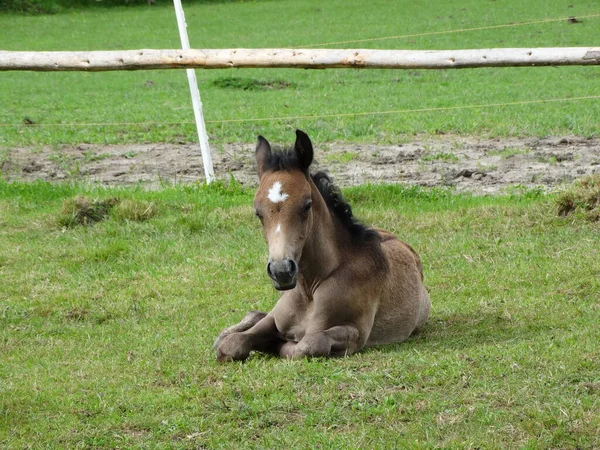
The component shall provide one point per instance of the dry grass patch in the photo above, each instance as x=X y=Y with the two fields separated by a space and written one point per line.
x=81 y=210
x=134 y=210
x=582 y=198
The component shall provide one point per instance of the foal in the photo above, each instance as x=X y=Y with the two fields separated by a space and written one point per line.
x=343 y=285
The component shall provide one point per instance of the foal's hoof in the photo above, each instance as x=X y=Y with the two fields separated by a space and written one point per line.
x=233 y=347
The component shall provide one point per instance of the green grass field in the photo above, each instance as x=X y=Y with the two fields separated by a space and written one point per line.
x=161 y=98
x=106 y=330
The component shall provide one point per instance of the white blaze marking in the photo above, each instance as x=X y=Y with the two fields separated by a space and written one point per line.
x=276 y=193
x=278 y=229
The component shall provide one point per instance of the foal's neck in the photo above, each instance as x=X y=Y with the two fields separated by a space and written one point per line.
x=322 y=251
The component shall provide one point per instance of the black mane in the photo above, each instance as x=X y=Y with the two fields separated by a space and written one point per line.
x=287 y=160
x=342 y=210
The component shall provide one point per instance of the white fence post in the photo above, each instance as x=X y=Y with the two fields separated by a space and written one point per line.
x=196 y=101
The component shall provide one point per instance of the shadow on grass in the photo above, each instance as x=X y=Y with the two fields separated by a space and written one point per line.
x=463 y=331
x=40 y=7
x=460 y=332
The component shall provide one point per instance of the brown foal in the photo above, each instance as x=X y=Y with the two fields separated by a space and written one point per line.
x=344 y=286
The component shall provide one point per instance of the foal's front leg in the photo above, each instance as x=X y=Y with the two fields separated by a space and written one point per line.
x=235 y=343
x=251 y=319
x=340 y=340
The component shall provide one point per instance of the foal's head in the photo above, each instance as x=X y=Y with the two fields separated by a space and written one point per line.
x=283 y=204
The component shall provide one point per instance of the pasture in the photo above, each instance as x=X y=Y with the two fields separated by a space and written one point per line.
x=159 y=100
x=106 y=327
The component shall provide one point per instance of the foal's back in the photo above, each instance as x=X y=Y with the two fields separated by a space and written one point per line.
x=404 y=304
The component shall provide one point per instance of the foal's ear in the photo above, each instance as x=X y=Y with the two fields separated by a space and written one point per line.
x=263 y=155
x=304 y=149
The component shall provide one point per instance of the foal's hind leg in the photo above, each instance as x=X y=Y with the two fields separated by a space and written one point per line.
x=341 y=340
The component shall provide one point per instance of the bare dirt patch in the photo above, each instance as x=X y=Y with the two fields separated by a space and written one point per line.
x=468 y=164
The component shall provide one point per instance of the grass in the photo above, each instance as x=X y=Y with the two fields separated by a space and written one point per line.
x=250 y=84
x=81 y=210
x=159 y=100
x=582 y=200
x=106 y=329
x=344 y=157
x=440 y=156
x=509 y=152
x=110 y=298
x=55 y=6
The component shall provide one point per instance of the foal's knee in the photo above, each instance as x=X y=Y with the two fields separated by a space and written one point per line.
x=252 y=318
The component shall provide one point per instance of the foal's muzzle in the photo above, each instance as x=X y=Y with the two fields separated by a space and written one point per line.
x=283 y=273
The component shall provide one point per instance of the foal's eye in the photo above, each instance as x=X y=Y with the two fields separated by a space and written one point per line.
x=258 y=214
x=307 y=207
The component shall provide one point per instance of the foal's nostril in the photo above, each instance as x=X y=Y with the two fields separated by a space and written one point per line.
x=291 y=267
x=283 y=271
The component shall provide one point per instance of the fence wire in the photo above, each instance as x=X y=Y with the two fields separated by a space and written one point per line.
x=355 y=114
x=309 y=117
x=461 y=30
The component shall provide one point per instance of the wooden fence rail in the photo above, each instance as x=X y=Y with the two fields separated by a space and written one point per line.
x=94 y=61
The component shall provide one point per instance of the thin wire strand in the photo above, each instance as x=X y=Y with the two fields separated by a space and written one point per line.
x=407 y=111
x=317 y=116
x=433 y=33
x=403 y=111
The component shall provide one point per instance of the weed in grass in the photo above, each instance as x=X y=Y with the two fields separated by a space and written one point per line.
x=130 y=154
x=456 y=145
x=553 y=159
x=4 y=158
x=485 y=168
x=508 y=152
x=66 y=163
x=60 y=160
x=77 y=314
x=583 y=199
x=521 y=191
x=90 y=156
x=134 y=210
x=344 y=157
x=441 y=156
x=81 y=210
